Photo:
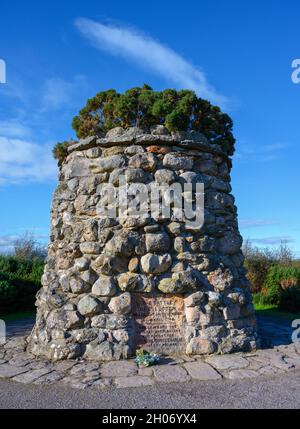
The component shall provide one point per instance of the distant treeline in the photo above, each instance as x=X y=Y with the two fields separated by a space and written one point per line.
x=274 y=276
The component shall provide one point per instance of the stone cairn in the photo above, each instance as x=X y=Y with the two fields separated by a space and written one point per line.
x=113 y=285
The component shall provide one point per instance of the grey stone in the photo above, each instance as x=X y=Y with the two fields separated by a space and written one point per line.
x=201 y=346
x=81 y=264
x=194 y=299
x=137 y=175
x=109 y=264
x=230 y=243
x=159 y=130
x=88 y=306
x=146 y=161
x=8 y=371
x=134 y=149
x=164 y=176
x=214 y=299
x=102 y=383
x=122 y=244
x=31 y=376
x=170 y=374
x=176 y=161
x=120 y=304
x=99 y=352
x=134 y=381
x=157 y=243
x=77 y=167
x=168 y=285
x=94 y=152
x=90 y=248
x=115 y=132
x=225 y=362
x=201 y=371
x=241 y=374
x=134 y=282
x=104 y=286
x=156 y=264
x=119 y=369
x=50 y=378
x=207 y=166
x=108 y=164
x=221 y=279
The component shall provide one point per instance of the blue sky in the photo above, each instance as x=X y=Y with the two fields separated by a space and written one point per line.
x=238 y=54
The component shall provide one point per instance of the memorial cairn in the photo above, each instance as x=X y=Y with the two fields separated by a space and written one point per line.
x=160 y=268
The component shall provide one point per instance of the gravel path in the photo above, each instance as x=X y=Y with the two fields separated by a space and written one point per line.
x=266 y=392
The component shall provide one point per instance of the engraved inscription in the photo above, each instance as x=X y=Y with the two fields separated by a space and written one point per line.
x=159 y=323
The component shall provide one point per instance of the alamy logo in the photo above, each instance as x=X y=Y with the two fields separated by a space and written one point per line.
x=296 y=332
x=2 y=71
x=296 y=73
x=2 y=332
x=181 y=202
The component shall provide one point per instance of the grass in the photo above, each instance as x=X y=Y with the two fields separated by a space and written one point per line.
x=272 y=311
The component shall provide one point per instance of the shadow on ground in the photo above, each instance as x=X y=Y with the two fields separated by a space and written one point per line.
x=274 y=331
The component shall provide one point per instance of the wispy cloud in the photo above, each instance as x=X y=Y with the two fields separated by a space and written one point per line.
x=58 y=93
x=14 y=128
x=254 y=223
x=22 y=160
x=7 y=242
x=264 y=153
x=149 y=53
x=273 y=240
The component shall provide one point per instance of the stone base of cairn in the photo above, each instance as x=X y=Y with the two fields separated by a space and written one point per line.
x=114 y=285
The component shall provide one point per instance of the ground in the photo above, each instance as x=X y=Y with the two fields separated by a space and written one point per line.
x=268 y=378
x=266 y=392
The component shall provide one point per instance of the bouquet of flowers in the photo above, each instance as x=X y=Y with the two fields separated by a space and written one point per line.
x=144 y=358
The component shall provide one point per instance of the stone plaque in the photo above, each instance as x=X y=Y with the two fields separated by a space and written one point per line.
x=159 y=323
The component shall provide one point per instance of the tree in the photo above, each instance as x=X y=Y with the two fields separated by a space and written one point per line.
x=143 y=107
x=27 y=248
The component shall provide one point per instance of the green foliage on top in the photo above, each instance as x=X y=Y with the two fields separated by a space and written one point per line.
x=144 y=107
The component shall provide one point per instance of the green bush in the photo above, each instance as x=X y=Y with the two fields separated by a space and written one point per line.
x=282 y=287
x=60 y=151
x=143 y=107
x=259 y=262
x=20 y=279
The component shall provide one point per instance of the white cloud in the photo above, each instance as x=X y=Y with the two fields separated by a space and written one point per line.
x=58 y=93
x=14 y=128
x=151 y=54
x=22 y=160
x=254 y=223
x=264 y=152
x=273 y=240
x=7 y=242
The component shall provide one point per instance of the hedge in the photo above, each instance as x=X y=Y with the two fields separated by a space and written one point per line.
x=19 y=282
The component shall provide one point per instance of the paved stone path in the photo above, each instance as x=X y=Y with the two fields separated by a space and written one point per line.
x=18 y=366
x=282 y=358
